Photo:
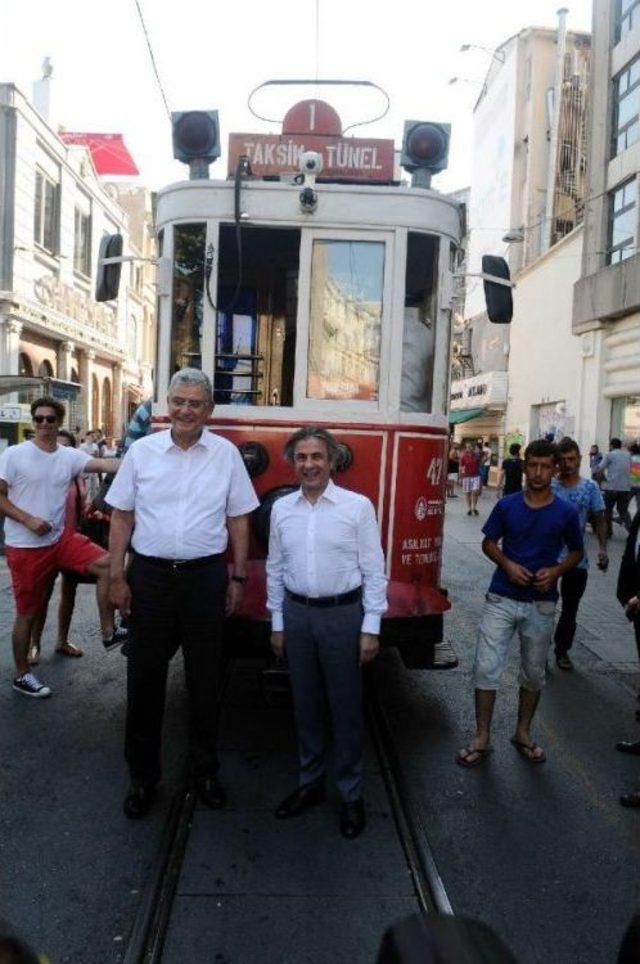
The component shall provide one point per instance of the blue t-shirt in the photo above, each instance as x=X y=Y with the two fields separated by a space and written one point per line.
x=533 y=538
x=587 y=498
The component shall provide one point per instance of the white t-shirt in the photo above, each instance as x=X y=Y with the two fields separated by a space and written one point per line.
x=181 y=498
x=38 y=484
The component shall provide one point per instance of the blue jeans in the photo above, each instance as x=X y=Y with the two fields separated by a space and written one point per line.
x=501 y=618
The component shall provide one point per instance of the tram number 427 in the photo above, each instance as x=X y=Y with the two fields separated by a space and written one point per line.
x=434 y=472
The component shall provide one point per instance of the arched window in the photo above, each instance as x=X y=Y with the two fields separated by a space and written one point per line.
x=25 y=369
x=95 y=402
x=45 y=369
x=107 y=414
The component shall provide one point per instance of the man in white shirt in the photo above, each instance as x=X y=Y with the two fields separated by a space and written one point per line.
x=326 y=590
x=188 y=494
x=34 y=481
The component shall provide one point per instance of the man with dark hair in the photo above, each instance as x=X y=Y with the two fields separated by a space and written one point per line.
x=326 y=590
x=533 y=526
x=511 y=472
x=586 y=496
x=34 y=482
x=615 y=469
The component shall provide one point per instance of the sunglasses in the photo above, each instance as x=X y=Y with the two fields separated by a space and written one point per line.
x=49 y=419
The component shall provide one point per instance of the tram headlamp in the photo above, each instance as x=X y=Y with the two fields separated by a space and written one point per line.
x=196 y=139
x=308 y=200
x=255 y=458
x=425 y=147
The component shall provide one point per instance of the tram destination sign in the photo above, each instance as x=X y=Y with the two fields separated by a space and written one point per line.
x=348 y=158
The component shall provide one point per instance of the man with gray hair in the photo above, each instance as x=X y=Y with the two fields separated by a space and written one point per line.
x=184 y=494
x=326 y=590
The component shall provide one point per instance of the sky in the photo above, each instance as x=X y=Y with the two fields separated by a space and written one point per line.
x=211 y=55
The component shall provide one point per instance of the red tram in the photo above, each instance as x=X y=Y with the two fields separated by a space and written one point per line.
x=314 y=287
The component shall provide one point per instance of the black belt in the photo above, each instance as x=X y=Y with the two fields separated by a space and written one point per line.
x=325 y=601
x=180 y=565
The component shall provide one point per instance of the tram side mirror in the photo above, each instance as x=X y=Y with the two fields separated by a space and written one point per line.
x=498 y=297
x=108 y=277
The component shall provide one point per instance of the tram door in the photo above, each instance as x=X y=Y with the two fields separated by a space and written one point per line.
x=257 y=302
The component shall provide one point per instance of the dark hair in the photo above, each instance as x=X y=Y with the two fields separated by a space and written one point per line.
x=514 y=448
x=69 y=437
x=541 y=448
x=634 y=448
x=567 y=444
x=311 y=431
x=15 y=951
x=46 y=401
x=615 y=443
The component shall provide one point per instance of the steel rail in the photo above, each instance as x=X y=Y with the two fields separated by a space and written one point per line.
x=430 y=891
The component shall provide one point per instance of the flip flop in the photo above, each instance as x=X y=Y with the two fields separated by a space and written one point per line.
x=482 y=754
x=527 y=750
x=68 y=649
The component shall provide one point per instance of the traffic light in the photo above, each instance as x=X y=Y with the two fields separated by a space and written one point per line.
x=498 y=297
x=425 y=146
x=108 y=277
x=196 y=139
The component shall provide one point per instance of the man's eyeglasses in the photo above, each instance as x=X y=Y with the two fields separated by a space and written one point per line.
x=49 y=419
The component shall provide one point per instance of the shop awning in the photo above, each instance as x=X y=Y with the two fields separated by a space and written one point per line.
x=464 y=416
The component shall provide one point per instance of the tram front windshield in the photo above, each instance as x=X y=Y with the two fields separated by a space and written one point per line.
x=256 y=315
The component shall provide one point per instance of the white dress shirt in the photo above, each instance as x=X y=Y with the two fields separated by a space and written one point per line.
x=182 y=497
x=326 y=548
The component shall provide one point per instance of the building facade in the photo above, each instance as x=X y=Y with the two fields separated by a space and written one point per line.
x=527 y=192
x=54 y=210
x=606 y=307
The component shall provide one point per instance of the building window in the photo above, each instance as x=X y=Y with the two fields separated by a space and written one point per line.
x=45 y=221
x=625 y=418
x=626 y=108
x=623 y=218
x=627 y=16
x=82 y=243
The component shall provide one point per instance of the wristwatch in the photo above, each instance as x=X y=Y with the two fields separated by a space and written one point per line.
x=241 y=579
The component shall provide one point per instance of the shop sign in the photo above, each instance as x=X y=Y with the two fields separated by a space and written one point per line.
x=74 y=304
x=488 y=390
x=10 y=413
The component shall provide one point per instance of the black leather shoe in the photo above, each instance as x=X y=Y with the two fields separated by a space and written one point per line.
x=211 y=793
x=630 y=799
x=300 y=800
x=563 y=661
x=138 y=801
x=633 y=748
x=352 y=819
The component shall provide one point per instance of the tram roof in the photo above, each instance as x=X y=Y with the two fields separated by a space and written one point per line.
x=339 y=205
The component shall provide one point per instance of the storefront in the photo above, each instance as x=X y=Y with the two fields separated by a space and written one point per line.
x=477 y=410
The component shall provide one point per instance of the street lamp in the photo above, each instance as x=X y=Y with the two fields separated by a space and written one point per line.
x=498 y=55
x=514 y=236
x=464 y=80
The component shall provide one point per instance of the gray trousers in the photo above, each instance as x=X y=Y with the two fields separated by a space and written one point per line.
x=323 y=652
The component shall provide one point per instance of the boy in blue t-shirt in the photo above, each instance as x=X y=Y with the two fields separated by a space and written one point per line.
x=534 y=527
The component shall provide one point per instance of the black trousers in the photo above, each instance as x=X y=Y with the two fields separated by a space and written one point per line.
x=619 y=501
x=572 y=587
x=172 y=609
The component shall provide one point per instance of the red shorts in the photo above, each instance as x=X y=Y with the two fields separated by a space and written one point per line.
x=33 y=569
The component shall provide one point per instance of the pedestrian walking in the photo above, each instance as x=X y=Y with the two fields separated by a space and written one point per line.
x=628 y=593
x=35 y=477
x=510 y=480
x=470 y=475
x=326 y=590
x=586 y=496
x=634 y=452
x=595 y=461
x=485 y=463
x=615 y=472
x=453 y=470
x=180 y=497
x=533 y=527
x=138 y=427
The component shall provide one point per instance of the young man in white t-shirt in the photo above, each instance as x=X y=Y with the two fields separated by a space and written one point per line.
x=34 y=481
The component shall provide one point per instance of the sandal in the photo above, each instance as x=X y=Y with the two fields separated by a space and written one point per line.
x=528 y=751
x=463 y=756
x=68 y=649
x=34 y=656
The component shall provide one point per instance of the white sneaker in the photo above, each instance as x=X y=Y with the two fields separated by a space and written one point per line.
x=29 y=685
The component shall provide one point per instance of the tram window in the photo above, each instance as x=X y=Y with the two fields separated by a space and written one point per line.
x=419 y=329
x=188 y=279
x=256 y=334
x=157 y=336
x=345 y=319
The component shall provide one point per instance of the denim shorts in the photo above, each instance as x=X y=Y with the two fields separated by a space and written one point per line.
x=501 y=618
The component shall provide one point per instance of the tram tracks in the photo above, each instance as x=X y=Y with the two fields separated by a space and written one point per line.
x=146 y=940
